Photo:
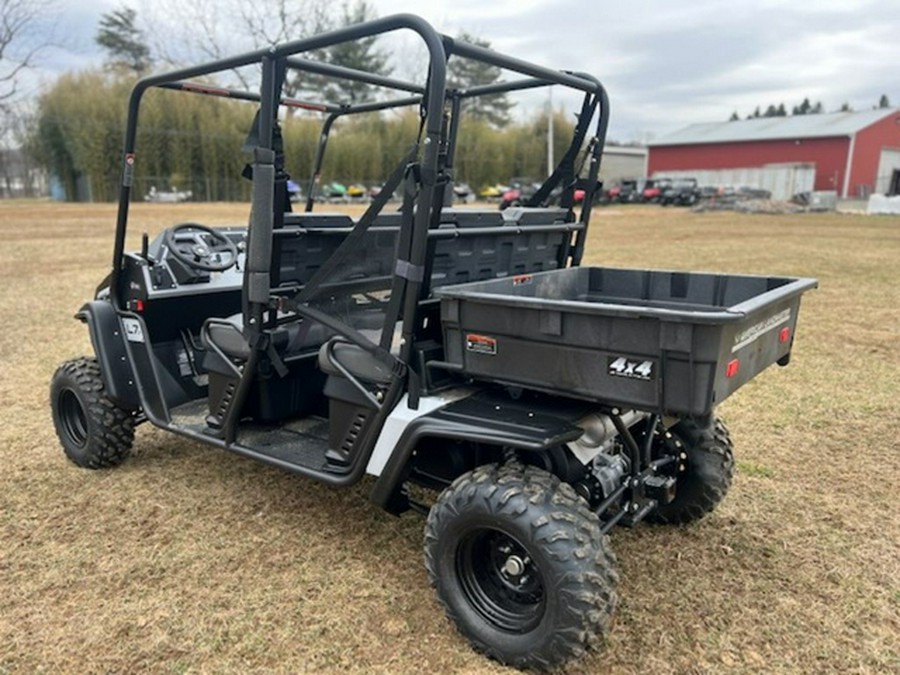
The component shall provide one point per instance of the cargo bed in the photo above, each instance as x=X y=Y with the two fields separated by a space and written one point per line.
x=671 y=342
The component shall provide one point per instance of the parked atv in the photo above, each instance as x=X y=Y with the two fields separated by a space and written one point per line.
x=653 y=190
x=682 y=192
x=623 y=193
x=523 y=190
x=492 y=193
x=173 y=196
x=463 y=193
x=463 y=351
x=519 y=192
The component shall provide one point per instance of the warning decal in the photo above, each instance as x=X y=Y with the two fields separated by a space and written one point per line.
x=481 y=344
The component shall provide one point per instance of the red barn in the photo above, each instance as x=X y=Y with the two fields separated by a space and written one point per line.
x=853 y=153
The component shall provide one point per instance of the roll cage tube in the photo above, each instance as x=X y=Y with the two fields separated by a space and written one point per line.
x=439 y=47
x=326 y=131
x=434 y=92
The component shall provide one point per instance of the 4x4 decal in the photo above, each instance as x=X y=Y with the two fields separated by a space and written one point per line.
x=633 y=369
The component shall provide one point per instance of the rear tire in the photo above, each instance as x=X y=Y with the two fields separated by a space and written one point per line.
x=94 y=431
x=708 y=470
x=520 y=566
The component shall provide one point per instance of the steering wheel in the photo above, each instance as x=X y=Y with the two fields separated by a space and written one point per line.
x=199 y=253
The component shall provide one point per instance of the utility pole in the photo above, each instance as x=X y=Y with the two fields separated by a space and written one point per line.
x=550 y=130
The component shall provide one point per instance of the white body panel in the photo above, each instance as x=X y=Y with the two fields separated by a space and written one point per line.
x=401 y=417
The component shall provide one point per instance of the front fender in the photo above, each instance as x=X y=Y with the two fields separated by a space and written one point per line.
x=108 y=339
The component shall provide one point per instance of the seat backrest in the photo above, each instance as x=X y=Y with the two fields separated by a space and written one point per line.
x=519 y=241
x=313 y=220
x=469 y=245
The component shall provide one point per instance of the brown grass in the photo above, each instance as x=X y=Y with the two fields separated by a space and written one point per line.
x=187 y=559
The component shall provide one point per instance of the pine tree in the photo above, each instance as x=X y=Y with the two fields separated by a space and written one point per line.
x=734 y=117
x=361 y=55
x=805 y=107
x=464 y=73
x=357 y=54
x=884 y=101
x=123 y=41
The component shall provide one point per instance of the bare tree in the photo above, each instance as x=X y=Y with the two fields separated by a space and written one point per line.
x=20 y=42
x=201 y=33
x=282 y=20
x=214 y=29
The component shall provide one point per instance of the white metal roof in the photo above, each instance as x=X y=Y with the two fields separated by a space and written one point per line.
x=822 y=125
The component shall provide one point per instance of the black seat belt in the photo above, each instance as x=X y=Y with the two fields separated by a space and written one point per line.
x=365 y=221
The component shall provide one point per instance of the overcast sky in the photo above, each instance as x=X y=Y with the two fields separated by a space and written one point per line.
x=666 y=64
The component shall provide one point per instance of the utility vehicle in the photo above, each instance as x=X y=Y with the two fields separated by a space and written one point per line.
x=681 y=192
x=624 y=192
x=457 y=350
x=653 y=189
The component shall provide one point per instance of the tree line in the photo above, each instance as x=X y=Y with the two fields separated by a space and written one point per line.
x=804 y=108
x=194 y=143
x=128 y=50
x=187 y=141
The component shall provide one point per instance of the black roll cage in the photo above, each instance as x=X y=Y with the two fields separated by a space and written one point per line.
x=438 y=142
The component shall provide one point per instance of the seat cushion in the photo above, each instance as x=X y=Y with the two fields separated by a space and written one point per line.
x=290 y=338
x=360 y=363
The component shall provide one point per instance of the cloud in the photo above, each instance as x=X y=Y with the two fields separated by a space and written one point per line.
x=670 y=64
x=665 y=64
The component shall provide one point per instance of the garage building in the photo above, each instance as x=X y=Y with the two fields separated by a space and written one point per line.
x=852 y=153
x=622 y=162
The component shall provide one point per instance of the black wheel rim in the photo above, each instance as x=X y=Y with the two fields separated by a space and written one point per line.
x=500 y=580
x=72 y=417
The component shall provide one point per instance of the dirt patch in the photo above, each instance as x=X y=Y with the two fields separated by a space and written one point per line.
x=187 y=559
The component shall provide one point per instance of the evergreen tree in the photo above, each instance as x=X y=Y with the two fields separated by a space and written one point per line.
x=780 y=111
x=361 y=55
x=771 y=111
x=804 y=108
x=123 y=41
x=734 y=117
x=807 y=108
x=464 y=73
x=845 y=107
x=884 y=101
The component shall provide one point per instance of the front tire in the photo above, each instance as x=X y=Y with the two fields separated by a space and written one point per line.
x=94 y=431
x=707 y=455
x=519 y=563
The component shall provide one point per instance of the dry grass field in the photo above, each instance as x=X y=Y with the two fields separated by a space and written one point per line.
x=187 y=559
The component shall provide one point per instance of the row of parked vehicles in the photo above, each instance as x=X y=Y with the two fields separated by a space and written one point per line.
x=336 y=192
x=665 y=191
x=675 y=192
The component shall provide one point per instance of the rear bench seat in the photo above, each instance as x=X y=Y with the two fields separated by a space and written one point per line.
x=298 y=254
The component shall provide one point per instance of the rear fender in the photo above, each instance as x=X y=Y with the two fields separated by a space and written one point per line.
x=539 y=435
x=108 y=339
